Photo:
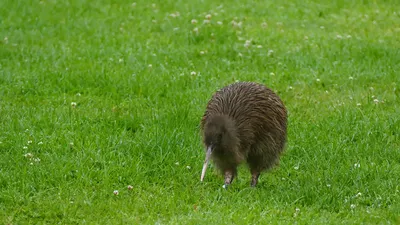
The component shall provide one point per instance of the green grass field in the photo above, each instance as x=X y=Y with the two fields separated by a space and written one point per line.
x=99 y=95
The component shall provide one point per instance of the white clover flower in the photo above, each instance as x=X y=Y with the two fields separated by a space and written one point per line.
x=194 y=21
x=130 y=187
x=264 y=25
x=116 y=192
x=73 y=104
x=247 y=43
x=208 y=16
x=193 y=73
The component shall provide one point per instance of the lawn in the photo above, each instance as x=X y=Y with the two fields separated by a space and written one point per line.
x=99 y=95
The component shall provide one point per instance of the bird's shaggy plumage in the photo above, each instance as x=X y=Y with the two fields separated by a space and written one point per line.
x=244 y=121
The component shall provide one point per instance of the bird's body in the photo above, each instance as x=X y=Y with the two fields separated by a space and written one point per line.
x=244 y=122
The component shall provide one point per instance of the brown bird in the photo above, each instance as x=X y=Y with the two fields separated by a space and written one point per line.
x=244 y=122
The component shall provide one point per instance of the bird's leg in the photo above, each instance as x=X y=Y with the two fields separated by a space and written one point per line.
x=254 y=177
x=229 y=176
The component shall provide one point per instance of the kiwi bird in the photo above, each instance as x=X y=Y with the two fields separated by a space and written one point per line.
x=243 y=122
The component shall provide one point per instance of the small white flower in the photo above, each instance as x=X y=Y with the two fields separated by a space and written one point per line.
x=29 y=142
x=224 y=186
x=73 y=104
x=234 y=23
x=208 y=16
x=264 y=25
x=206 y=21
x=352 y=206
x=78 y=94
x=318 y=80
x=36 y=160
x=194 y=21
x=270 y=52
x=328 y=185
x=201 y=52
x=193 y=73
x=376 y=101
x=130 y=187
x=196 y=30
x=150 y=66
x=71 y=143
x=188 y=167
x=25 y=147
x=247 y=44
x=290 y=87
x=116 y=192
x=28 y=155
x=357 y=165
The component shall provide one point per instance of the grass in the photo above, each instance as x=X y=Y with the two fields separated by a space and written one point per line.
x=128 y=67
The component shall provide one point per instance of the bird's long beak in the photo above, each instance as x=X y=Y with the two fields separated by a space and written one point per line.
x=208 y=155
